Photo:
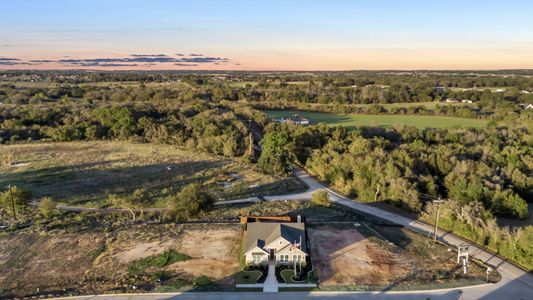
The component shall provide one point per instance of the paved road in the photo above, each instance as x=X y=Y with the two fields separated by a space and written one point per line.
x=447 y=295
x=515 y=283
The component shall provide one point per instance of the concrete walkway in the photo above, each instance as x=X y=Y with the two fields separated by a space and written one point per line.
x=271 y=283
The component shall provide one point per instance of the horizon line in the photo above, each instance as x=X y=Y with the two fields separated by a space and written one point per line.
x=266 y=70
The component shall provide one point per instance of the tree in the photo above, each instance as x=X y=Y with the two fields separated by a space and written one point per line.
x=14 y=199
x=250 y=154
x=321 y=198
x=47 y=207
x=120 y=121
x=275 y=157
x=122 y=202
x=189 y=202
x=509 y=204
x=512 y=236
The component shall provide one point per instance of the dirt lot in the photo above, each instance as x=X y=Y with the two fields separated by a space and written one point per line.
x=31 y=261
x=98 y=261
x=345 y=257
x=376 y=257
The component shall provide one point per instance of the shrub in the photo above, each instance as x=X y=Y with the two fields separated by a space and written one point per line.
x=202 y=281
x=321 y=197
x=47 y=207
x=16 y=198
x=190 y=201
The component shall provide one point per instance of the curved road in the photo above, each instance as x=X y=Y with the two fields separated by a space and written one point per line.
x=515 y=284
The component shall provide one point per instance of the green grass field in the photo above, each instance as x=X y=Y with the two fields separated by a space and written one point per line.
x=83 y=173
x=355 y=120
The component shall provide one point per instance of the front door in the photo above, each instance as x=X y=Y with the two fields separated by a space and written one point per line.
x=272 y=257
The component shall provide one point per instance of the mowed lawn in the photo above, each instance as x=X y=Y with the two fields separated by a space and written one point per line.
x=356 y=120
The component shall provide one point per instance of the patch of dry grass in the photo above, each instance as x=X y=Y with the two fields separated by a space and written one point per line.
x=83 y=173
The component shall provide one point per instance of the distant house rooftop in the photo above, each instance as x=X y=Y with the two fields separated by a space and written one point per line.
x=295 y=119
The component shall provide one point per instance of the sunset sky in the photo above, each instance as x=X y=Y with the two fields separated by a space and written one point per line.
x=266 y=35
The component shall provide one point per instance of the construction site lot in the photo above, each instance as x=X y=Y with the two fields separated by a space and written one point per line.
x=364 y=256
x=85 y=173
x=134 y=258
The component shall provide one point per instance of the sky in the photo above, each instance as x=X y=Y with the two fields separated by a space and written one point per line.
x=266 y=35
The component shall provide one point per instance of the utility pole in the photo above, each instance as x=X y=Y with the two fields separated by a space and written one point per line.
x=169 y=169
x=12 y=203
x=438 y=202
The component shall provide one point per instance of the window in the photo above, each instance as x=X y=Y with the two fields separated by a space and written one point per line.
x=296 y=258
x=283 y=258
x=256 y=259
x=280 y=242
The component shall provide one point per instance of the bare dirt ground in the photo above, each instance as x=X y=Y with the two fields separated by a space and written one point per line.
x=345 y=257
x=98 y=261
x=32 y=261
x=214 y=253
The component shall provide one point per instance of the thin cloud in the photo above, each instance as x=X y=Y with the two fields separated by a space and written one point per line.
x=90 y=64
x=134 y=60
x=8 y=59
x=206 y=59
x=12 y=63
x=149 y=55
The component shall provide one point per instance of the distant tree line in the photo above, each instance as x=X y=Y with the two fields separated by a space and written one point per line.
x=483 y=173
x=220 y=129
x=405 y=165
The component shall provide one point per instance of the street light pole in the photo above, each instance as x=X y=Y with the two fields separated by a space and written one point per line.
x=438 y=202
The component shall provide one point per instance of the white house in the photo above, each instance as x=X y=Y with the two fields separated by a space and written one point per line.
x=283 y=243
x=466 y=101
x=295 y=119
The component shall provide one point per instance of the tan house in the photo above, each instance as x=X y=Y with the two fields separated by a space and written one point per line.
x=283 y=243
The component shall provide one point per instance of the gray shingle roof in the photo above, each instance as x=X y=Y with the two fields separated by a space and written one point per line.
x=261 y=234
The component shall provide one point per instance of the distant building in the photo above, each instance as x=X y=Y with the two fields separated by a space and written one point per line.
x=466 y=101
x=500 y=90
x=295 y=119
x=450 y=100
x=525 y=92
